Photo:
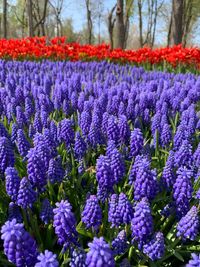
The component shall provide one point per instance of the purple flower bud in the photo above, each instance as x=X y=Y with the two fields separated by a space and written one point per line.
x=6 y=155
x=19 y=247
x=46 y=213
x=119 y=244
x=142 y=222
x=64 y=223
x=12 y=182
x=120 y=210
x=104 y=177
x=182 y=190
x=183 y=157
x=47 y=259
x=79 y=146
x=188 y=226
x=113 y=129
x=195 y=261
x=136 y=142
x=78 y=257
x=124 y=130
x=66 y=132
x=26 y=195
x=14 y=212
x=99 y=254
x=155 y=248
x=145 y=184
x=92 y=214
x=22 y=143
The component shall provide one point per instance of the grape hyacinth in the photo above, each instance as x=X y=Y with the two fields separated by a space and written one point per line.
x=92 y=214
x=119 y=244
x=46 y=213
x=120 y=210
x=19 y=247
x=195 y=261
x=26 y=195
x=14 y=212
x=12 y=182
x=155 y=248
x=78 y=257
x=136 y=142
x=6 y=155
x=188 y=226
x=145 y=184
x=104 y=177
x=64 y=223
x=142 y=222
x=182 y=190
x=99 y=254
x=22 y=143
x=47 y=259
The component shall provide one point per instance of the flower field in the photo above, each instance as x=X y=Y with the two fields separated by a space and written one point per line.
x=38 y=48
x=99 y=163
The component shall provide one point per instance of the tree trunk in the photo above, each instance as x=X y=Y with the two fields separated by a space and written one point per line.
x=111 y=24
x=120 y=29
x=5 y=19
x=30 y=18
x=177 y=22
x=89 y=21
x=140 y=22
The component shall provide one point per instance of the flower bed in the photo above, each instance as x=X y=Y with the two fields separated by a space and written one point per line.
x=99 y=165
x=37 y=48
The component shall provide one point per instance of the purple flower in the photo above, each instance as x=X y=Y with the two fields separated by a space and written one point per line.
x=78 y=257
x=120 y=210
x=168 y=175
x=119 y=244
x=99 y=254
x=37 y=124
x=64 y=223
x=104 y=177
x=136 y=142
x=12 y=182
x=55 y=171
x=182 y=190
x=36 y=169
x=113 y=129
x=183 y=156
x=26 y=195
x=22 y=143
x=188 y=226
x=14 y=212
x=124 y=130
x=145 y=184
x=85 y=122
x=195 y=261
x=47 y=259
x=66 y=132
x=79 y=146
x=166 y=135
x=92 y=214
x=142 y=222
x=19 y=247
x=14 y=132
x=20 y=117
x=46 y=213
x=6 y=155
x=116 y=162
x=155 y=248
x=3 y=131
x=196 y=156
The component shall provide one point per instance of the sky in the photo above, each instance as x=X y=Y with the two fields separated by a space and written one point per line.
x=76 y=10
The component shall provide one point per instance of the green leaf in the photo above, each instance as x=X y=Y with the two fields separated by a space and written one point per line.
x=81 y=230
x=178 y=256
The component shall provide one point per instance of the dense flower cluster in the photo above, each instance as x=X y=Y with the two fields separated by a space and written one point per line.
x=58 y=48
x=99 y=162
